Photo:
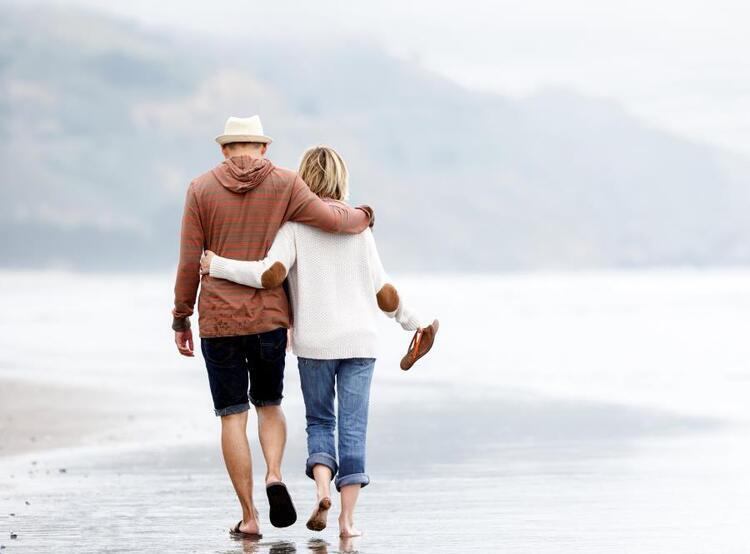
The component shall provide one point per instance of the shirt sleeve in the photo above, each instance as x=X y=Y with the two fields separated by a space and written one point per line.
x=282 y=250
x=407 y=317
x=333 y=217
x=192 y=240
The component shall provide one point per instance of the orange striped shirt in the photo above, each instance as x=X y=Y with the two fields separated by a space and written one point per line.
x=235 y=210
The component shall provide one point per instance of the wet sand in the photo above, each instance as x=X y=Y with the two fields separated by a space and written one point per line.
x=37 y=417
x=588 y=424
x=522 y=474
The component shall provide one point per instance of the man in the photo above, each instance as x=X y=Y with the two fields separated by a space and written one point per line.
x=236 y=210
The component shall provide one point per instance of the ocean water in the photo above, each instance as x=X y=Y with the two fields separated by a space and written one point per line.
x=570 y=412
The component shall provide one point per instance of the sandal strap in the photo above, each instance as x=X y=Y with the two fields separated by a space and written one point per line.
x=414 y=346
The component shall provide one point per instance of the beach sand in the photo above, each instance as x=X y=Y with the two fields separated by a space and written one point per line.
x=558 y=435
x=37 y=417
x=550 y=478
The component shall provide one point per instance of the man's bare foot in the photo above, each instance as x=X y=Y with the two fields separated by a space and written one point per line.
x=319 y=518
x=347 y=529
x=249 y=528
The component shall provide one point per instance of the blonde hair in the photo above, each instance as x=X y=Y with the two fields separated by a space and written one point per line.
x=325 y=173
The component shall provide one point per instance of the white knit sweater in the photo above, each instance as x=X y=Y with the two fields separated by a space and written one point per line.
x=333 y=281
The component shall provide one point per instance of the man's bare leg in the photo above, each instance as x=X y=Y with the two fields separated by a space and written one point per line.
x=236 y=451
x=319 y=518
x=272 y=435
x=349 y=495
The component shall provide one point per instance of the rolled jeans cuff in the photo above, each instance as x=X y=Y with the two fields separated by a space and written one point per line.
x=231 y=410
x=361 y=479
x=322 y=458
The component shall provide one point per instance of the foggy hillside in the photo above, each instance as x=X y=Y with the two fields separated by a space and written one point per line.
x=98 y=116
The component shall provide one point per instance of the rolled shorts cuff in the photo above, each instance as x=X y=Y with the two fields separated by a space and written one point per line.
x=262 y=403
x=234 y=409
x=361 y=479
x=322 y=458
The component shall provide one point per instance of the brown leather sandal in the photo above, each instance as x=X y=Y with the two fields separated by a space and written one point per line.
x=420 y=344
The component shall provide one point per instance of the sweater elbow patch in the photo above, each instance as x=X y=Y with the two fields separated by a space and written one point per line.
x=273 y=276
x=388 y=298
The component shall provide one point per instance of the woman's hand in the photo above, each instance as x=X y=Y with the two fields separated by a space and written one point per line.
x=206 y=262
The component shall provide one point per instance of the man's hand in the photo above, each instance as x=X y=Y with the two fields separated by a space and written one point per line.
x=184 y=342
x=206 y=262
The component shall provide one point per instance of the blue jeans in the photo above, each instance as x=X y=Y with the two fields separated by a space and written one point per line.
x=320 y=380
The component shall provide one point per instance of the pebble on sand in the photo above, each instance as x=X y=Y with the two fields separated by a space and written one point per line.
x=28 y=503
x=13 y=535
x=63 y=470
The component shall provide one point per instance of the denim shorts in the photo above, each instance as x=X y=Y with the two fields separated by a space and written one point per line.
x=245 y=369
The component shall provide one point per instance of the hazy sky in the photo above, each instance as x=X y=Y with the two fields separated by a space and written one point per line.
x=682 y=65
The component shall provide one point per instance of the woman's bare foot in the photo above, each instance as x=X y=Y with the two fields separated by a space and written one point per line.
x=319 y=518
x=349 y=545
x=347 y=529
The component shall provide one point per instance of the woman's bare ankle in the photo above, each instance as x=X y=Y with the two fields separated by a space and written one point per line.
x=346 y=521
x=347 y=528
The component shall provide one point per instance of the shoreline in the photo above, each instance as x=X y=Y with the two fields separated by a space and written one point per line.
x=41 y=422
x=97 y=407
x=39 y=417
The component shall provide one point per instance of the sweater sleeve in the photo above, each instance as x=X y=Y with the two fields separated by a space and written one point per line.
x=333 y=217
x=192 y=239
x=407 y=317
x=283 y=250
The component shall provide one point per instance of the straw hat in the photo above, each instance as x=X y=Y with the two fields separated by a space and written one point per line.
x=243 y=129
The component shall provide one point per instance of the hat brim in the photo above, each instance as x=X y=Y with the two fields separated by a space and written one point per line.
x=226 y=139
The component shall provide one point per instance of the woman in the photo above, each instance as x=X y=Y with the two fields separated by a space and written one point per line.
x=337 y=286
